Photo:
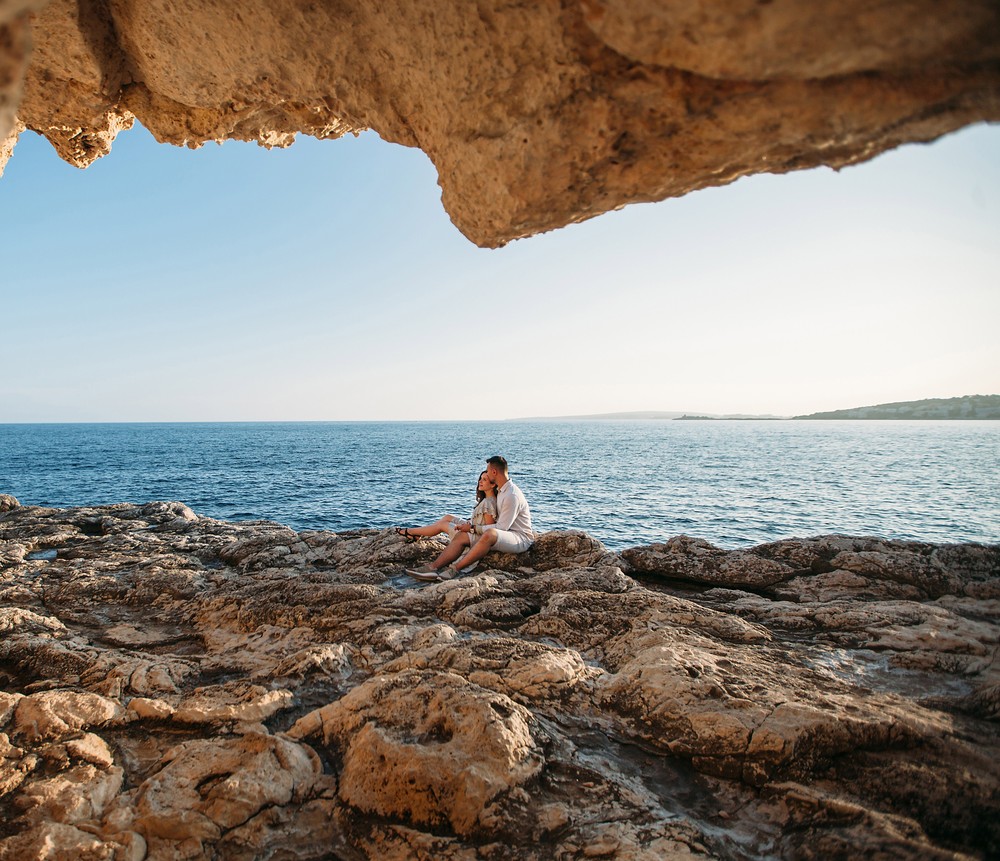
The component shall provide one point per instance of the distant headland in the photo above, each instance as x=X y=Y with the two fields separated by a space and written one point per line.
x=974 y=407
x=967 y=407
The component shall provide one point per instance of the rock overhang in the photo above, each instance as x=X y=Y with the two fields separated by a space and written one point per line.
x=535 y=115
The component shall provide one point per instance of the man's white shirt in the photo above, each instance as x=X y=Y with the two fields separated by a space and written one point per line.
x=512 y=511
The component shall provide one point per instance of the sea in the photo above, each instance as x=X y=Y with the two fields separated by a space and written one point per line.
x=627 y=483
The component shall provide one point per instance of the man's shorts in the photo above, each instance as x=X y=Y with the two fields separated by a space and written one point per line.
x=511 y=542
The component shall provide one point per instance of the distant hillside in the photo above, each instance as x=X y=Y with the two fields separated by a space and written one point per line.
x=966 y=407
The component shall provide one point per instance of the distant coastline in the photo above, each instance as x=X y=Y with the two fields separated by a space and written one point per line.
x=704 y=418
x=642 y=415
x=964 y=408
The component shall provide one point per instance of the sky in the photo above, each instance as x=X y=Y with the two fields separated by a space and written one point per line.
x=325 y=282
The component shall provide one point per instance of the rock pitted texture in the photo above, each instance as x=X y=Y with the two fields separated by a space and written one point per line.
x=176 y=687
x=535 y=114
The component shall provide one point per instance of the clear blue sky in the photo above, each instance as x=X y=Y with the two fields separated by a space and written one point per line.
x=325 y=282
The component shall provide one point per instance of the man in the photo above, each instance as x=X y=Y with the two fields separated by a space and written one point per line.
x=510 y=534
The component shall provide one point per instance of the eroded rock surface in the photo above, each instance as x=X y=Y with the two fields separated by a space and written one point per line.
x=535 y=114
x=176 y=687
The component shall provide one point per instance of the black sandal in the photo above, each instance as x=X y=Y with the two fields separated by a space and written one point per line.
x=406 y=534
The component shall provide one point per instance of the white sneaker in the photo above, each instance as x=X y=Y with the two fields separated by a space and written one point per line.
x=424 y=572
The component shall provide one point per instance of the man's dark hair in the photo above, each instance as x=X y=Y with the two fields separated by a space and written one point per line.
x=499 y=462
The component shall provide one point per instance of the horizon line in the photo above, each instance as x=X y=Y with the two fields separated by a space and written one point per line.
x=619 y=415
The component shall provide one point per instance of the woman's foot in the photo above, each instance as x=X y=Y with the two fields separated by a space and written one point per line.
x=406 y=534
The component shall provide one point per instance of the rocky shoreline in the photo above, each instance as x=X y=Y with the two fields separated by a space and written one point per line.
x=178 y=687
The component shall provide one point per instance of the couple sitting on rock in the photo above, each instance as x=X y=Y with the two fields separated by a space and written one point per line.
x=501 y=521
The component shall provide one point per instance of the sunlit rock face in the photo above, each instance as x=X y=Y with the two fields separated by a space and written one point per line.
x=536 y=114
x=177 y=687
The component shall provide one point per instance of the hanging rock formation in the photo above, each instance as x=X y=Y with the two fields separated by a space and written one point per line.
x=536 y=114
x=175 y=687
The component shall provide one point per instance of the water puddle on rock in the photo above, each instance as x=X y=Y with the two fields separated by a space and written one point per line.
x=37 y=555
x=403 y=581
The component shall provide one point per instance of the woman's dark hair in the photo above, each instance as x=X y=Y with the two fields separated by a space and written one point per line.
x=480 y=495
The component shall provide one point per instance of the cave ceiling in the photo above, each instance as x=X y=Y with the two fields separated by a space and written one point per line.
x=535 y=114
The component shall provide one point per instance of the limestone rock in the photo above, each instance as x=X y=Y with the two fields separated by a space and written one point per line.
x=91 y=748
x=234 y=701
x=558 y=550
x=55 y=841
x=8 y=702
x=177 y=687
x=852 y=567
x=54 y=714
x=206 y=788
x=448 y=747
x=686 y=558
x=77 y=795
x=535 y=115
x=526 y=671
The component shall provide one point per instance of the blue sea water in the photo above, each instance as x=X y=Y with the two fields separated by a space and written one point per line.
x=734 y=483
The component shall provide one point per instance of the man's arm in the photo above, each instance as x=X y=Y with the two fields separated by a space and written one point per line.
x=506 y=512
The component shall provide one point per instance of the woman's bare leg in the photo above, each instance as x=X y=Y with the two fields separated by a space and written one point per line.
x=435 y=528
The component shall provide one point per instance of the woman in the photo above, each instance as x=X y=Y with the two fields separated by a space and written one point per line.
x=484 y=513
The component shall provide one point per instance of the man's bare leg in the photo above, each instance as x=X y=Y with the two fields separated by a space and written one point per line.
x=452 y=551
x=483 y=546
